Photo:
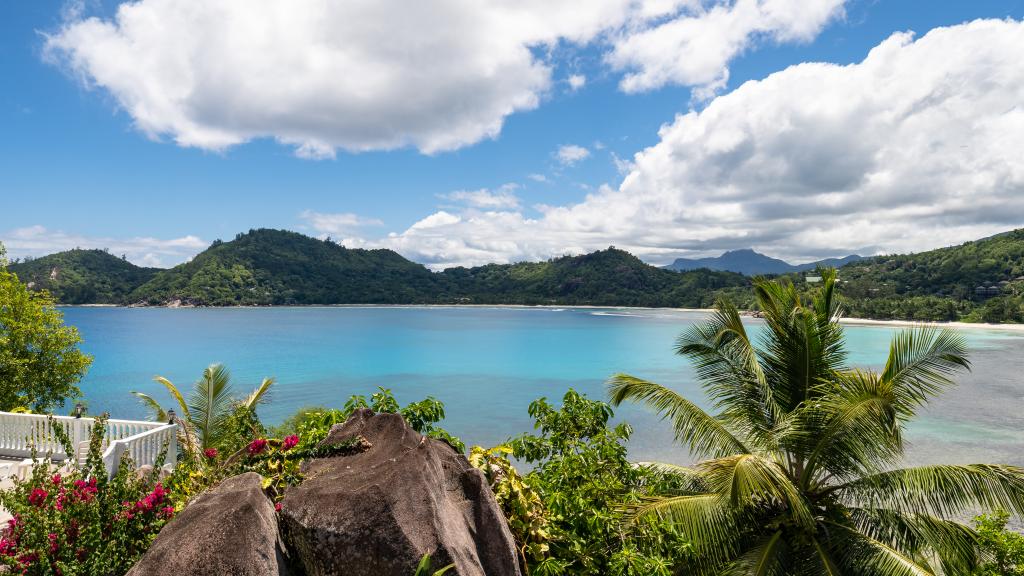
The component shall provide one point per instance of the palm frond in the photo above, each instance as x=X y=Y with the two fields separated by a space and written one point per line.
x=942 y=490
x=862 y=555
x=952 y=544
x=210 y=404
x=853 y=431
x=745 y=480
x=764 y=559
x=176 y=394
x=727 y=365
x=260 y=395
x=703 y=433
x=920 y=363
x=156 y=411
x=710 y=526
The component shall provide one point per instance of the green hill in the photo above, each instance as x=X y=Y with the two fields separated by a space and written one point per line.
x=981 y=280
x=272 y=267
x=83 y=276
x=976 y=281
x=605 y=278
x=275 y=267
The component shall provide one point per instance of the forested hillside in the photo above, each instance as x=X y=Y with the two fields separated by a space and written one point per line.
x=609 y=277
x=83 y=276
x=977 y=281
x=981 y=280
x=275 y=267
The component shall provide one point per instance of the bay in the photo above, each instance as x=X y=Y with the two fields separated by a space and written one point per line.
x=488 y=364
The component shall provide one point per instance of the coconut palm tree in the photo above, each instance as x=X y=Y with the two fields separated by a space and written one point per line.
x=204 y=415
x=798 y=469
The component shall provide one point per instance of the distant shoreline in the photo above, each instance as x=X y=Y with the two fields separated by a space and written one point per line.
x=848 y=321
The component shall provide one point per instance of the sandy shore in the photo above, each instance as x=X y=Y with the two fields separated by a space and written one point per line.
x=961 y=325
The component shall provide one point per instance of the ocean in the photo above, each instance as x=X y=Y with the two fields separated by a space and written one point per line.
x=488 y=364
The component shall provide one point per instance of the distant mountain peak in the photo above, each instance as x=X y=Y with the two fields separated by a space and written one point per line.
x=752 y=263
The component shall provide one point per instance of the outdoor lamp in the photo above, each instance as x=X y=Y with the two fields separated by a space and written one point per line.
x=78 y=411
x=171 y=416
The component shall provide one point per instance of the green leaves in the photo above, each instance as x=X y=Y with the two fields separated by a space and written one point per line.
x=944 y=490
x=704 y=434
x=40 y=362
x=212 y=416
x=801 y=480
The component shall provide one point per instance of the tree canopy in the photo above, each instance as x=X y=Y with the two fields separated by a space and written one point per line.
x=40 y=362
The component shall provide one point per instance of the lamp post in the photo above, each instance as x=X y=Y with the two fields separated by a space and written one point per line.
x=78 y=411
x=171 y=416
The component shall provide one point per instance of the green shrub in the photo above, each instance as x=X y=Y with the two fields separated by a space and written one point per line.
x=81 y=522
x=586 y=482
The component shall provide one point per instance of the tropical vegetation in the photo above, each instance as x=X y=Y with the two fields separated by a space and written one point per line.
x=212 y=416
x=83 y=276
x=980 y=281
x=80 y=522
x=40 y=360
x=799 y=461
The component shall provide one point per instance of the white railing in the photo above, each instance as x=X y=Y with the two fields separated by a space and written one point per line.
x=20 y=433
x=144 y=448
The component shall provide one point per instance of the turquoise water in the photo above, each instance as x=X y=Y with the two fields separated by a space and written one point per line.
x=488 y=364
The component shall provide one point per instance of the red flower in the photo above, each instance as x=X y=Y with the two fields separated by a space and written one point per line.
x=277 y=506
x=53 y=542
x=289 y=442
x=38 y=497
x=55 y=479
x=257 y=446
x=210 y=453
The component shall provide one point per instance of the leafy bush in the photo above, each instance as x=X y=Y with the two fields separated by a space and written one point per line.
x=1004 y=548
x=79 y=521
x=585 y=482
x=313 y=424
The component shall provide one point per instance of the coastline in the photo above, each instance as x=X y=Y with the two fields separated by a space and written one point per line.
x=1016 y=328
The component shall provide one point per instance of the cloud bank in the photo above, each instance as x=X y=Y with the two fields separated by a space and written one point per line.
x=360 y=75
x=917 y=146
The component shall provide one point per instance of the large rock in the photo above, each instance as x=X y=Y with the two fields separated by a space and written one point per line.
x=231 y=530
x=377 y=512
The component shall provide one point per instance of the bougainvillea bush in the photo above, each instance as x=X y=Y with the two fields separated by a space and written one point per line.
x=77 y=521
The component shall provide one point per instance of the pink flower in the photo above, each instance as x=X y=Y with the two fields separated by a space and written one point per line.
x=210 y=453
x=53 y=542
x=38 y=497
x=257 y=446
x=55 y=479
x=167 y=511
x=289 y=442
x=277 y=506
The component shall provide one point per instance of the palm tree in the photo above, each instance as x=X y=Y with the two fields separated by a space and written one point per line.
x=204 y=416
x=799 y=472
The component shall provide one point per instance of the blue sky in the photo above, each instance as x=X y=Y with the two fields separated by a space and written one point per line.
x=77 y=166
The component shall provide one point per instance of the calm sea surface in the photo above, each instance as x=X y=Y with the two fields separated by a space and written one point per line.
x=488 y=364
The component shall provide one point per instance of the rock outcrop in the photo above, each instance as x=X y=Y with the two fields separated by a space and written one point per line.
x=230 y=530
x=377 y=512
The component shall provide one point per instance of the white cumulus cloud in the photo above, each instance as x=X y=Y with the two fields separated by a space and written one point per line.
x=319 y=75
x=570 y=154
x=695 y=47
x=915 y=147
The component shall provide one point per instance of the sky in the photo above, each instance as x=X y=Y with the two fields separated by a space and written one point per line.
x=462 y=132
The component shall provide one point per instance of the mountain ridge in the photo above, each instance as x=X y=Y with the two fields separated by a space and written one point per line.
x=751 y=263
x=981 y=280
